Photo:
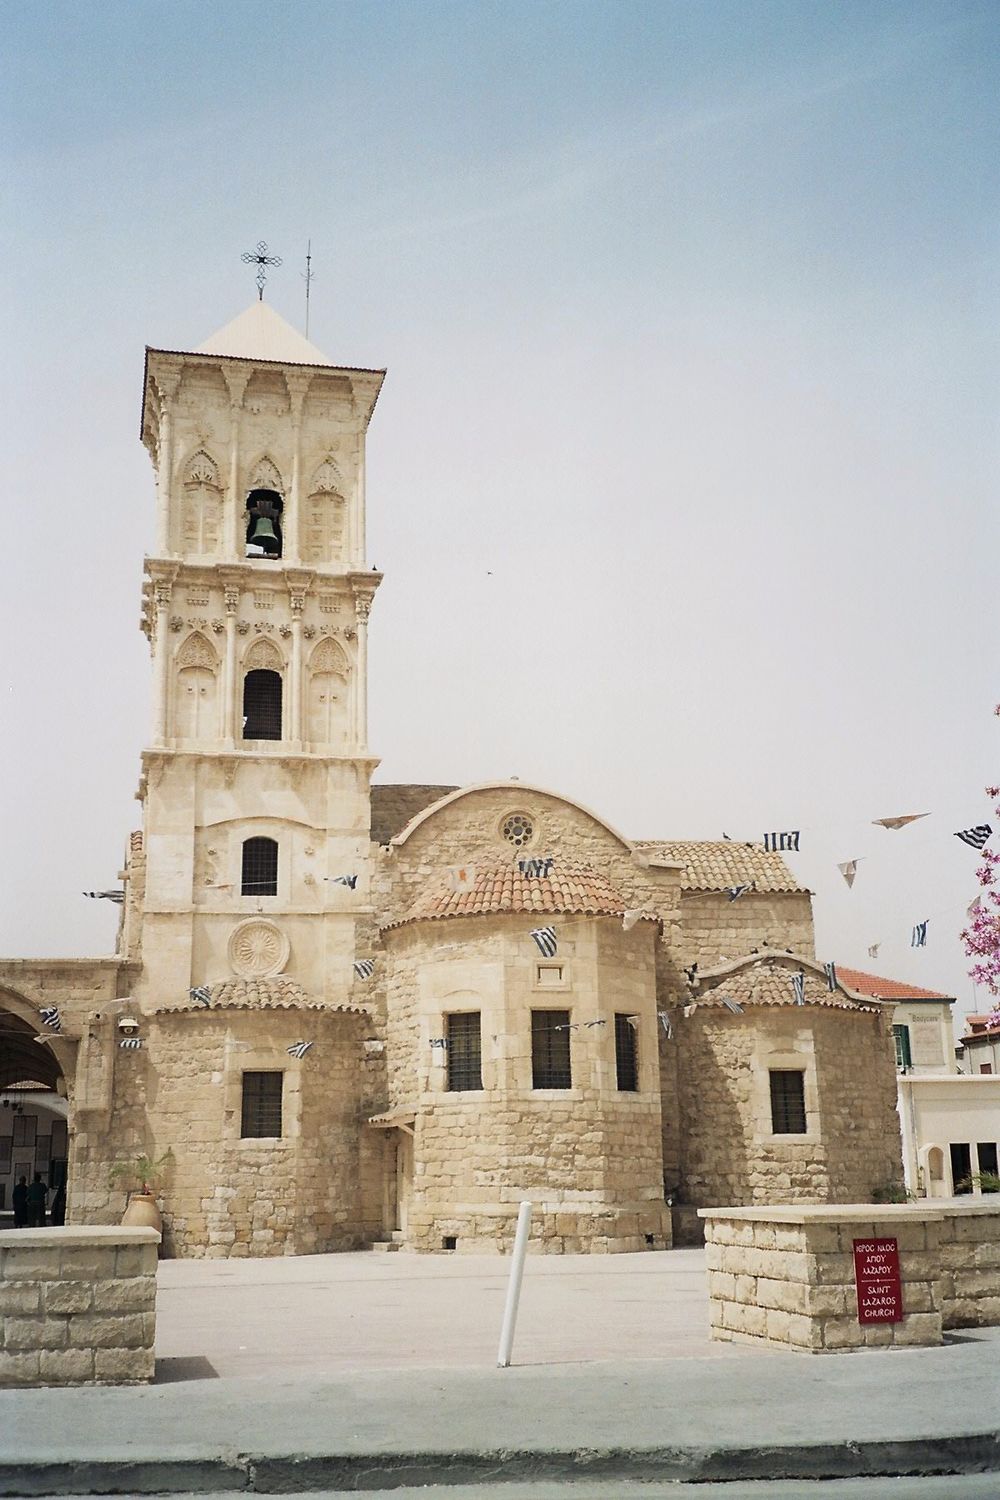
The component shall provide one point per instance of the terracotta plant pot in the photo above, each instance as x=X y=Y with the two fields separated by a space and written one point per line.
x=143 y=1212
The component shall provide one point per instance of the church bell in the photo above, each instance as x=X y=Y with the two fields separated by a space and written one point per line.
x=263 y=534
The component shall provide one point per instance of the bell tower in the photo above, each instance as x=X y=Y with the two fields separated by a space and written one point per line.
x=255 y=784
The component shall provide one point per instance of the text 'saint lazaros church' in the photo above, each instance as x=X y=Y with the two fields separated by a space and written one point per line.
x=362 y=1013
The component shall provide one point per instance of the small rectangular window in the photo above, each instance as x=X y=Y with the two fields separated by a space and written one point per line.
x=961 y=1167
x=626 y=1059
x=901 y=1037
x=260 y=868
x=261 y=1105
x=549 y=975
x=464 y=1032
x=550 y=1066
x=788 y=1102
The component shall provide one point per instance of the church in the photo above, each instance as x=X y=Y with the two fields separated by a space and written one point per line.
x=365 y=1014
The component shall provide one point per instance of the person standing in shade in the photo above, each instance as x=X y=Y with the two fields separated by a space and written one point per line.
x=19 y=1203
x=37 y=1195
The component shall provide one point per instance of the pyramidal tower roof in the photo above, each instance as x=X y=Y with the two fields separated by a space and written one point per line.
x=261 y=333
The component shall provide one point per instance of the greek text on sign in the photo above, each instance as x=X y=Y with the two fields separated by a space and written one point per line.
x=876 y=1274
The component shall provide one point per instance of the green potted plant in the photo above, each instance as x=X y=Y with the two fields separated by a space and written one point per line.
x=147 y=1172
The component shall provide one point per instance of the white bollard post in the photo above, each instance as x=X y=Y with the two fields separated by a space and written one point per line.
x=514 y=1285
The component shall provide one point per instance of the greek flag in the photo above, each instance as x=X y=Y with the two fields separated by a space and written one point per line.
x=51 y=1017
x=364 y=968
x=545 y=940
x=535 y=869
x=799 y=987
x=439 y=1041
x=117 y=896
x=780 y=843
x=733 y=1005
x=736 y=891
x=873 y=950
x=595 y=1023
x=201 y=993
x=130 y=1043
x=830 y=970
x=668 y=1030
x=351 y=881
x=298 y=1049
x=692 y=974
x=919 y=937
x=975 y=837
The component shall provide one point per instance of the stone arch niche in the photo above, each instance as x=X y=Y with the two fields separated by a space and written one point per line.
x=324 y=516
x=196 y=703
x=201 y=507
x=326 y=698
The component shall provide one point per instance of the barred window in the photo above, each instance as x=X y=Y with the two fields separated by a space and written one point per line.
x=260 y=867
x=463 y=1030
x=788 y=1102
x=261 y=1105
x=262 y=705
x=626 y=1058
x=550 y=1034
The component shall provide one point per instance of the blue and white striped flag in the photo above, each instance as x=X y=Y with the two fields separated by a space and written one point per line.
x=535 y=869
x=668 y=1030
x=51 y=1017
x=130 y=1043
x=117 y=896
x=364 y=968
x=545 y=940
x=351 y=881
x=439 y=1042
x=873 y=950
x=975 y=837
x=733 y=1005
x=202 y=993
x=736 y=891
x=830 y=970
x=919 y=937
x=799 y=987
x=780 y=843
x=588 y=1024
x=298 y=1049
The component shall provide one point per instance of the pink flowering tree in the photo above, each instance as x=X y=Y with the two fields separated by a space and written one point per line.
x=982 y=936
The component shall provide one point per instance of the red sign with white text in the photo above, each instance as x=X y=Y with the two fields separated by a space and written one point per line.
x=876 y=1273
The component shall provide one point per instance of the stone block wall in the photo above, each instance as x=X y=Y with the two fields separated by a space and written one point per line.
x=787 y=1278
x=714 y=929
x=970 y=1265
x=77 y=1306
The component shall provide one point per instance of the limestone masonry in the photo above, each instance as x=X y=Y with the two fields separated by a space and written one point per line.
x=359 y=1014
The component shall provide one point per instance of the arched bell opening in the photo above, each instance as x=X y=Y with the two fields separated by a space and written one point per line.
x=33 y=1122
x=263 y=534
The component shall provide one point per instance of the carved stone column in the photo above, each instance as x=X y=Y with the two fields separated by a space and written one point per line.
x=167 y=383
x=292 y=520
x=234 y=541
x=362 y=608
x=161 y=676
x=296 y=725
x=229 y=704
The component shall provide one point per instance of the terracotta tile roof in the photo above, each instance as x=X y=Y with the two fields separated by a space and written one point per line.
x=568 y=888
x=277 y=993
x=394 y=804
x=886 y=989
x=769 y=982
x=712 y=865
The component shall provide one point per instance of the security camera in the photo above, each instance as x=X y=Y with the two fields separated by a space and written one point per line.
x=128 y=1025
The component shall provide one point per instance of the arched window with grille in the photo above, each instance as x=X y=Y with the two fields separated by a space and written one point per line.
x=260 y=867
x=262 y=705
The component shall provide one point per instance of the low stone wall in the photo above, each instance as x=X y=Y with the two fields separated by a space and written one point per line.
x=77 y=1306
x=786 y=1275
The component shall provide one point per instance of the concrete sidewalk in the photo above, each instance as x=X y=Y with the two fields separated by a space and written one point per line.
x=366 y=1371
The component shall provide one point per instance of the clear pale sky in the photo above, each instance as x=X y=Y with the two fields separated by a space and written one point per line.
x=684 y=477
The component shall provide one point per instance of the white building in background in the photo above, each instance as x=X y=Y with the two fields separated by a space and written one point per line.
x=979 y=1048
x=949 y=1119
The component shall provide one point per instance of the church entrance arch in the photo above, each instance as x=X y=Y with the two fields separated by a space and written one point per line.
x=33 y=1107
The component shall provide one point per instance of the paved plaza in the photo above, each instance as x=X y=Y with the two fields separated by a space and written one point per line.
x=378 y=1371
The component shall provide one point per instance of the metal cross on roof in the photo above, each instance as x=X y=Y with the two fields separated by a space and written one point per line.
x=260 y=259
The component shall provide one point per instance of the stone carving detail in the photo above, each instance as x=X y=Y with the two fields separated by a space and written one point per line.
x=163 y=592
x=232 y=600
x=284 y=631
x=218 y=626
x=328 y=657
x=329 y=604
x=309 y=631
x=265 y=626
x=327 y=478
x=263 y=598
x=265 y=476
x=175 y=622
x=258 y=949
x=196 y=652
x=202 y=509
x=197 y=596
x=263 y=653
x=242 y=626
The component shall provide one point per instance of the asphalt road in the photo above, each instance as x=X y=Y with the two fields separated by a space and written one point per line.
x=941 y=1487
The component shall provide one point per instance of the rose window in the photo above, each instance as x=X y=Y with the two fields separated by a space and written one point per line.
x=518 y=829
x=257 y=949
